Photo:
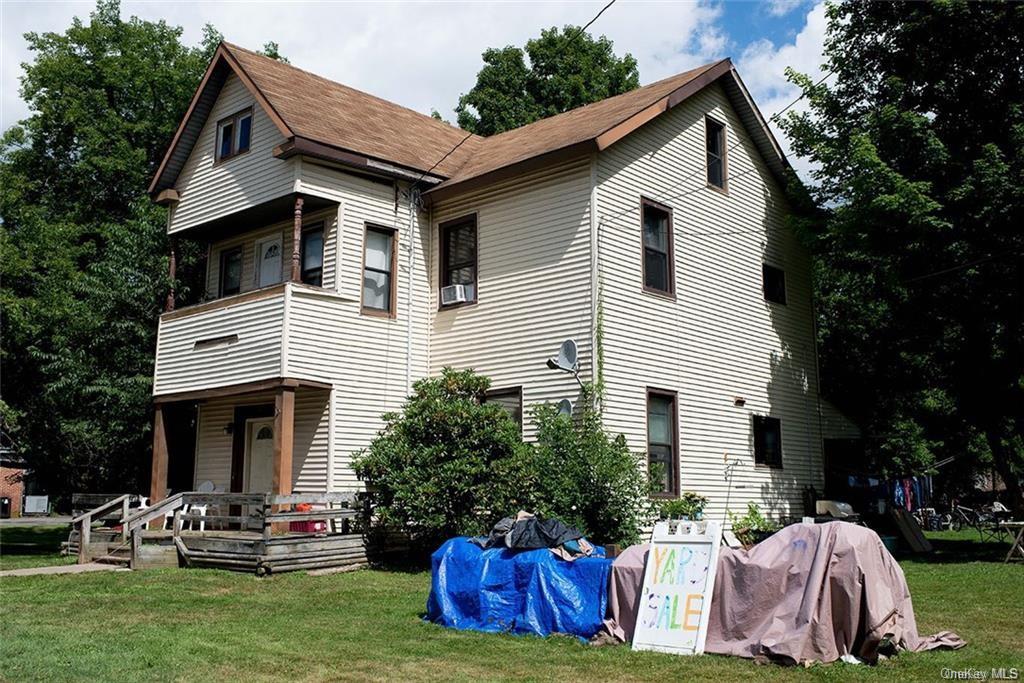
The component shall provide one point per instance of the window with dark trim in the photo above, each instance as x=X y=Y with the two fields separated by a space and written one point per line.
x=714 y=133
x=510 y=399
x=378 y=271
x=768 y=441
x=658 y=267
x=230 y=271
x=774 y=283
x=663 y=441
x=311 y=255
x=234 y=134
x=459 y=255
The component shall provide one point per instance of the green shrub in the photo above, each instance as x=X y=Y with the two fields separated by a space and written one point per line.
x=586 y=478
x=752 y=525
x=449 y=464
x=688 y=506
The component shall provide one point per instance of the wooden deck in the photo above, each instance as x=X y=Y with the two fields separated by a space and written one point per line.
x=263 y=540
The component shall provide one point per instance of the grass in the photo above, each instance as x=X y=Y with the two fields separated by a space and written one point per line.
x=205 y=624
x=32 y=546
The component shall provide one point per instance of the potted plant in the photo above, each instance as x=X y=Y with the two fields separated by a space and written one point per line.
x=689 y=506
x=753 y=527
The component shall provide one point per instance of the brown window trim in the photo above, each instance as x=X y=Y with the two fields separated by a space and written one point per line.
x=393 y=303
x=724 y=189
x=233 y=118
x=443 y=229
x=670 y=293
x=221 y=256
x=665 y=393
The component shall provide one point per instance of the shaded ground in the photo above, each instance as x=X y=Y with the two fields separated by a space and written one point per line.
x=32 y=546
x=206 y=624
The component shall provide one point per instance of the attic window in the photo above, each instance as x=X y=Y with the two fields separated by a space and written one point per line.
x=715 y=134
x=234 y=134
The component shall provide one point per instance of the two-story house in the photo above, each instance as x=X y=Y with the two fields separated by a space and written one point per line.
x=355 y=245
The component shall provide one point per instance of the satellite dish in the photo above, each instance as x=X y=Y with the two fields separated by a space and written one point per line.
x=567 y=358
x=565 y=407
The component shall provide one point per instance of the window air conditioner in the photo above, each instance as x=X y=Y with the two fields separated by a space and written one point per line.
x=453 y=294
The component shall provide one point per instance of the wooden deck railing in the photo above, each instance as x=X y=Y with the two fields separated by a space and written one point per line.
x=83 y=523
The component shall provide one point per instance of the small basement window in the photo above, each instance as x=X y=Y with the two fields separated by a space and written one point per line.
x=234 y=134
x=657 y=262
x=768 y=441
x=714 y=133
x=774 y=283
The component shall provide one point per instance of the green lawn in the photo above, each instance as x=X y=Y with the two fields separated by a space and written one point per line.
x=212 y=625
x=32 y=546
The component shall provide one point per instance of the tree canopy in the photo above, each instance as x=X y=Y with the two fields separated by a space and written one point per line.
x=83 y=252
x=919 y=143
x=559 y=71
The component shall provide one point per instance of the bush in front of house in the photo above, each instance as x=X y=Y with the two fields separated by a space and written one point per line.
x=587 y=478
x=448 y=464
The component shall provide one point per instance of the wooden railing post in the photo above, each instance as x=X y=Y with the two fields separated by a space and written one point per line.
x=84 y=538
x=125 y=508
x=297 y=242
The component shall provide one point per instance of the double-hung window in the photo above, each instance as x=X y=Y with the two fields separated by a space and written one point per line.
x=234 y=134
x=459 y=255
x=230 y=271
x=714 y=132
x=311 y=252
x=378 y=271
x=662 y=442
x=768 y=441
x=657 y=245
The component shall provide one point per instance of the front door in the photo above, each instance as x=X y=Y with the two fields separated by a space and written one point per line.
x=259 y=456
x=268 y=261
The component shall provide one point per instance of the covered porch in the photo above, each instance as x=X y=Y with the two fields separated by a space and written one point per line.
x=263 y=437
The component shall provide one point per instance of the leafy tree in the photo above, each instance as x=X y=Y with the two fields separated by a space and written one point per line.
x=83 y=251
x=586 y=478
x=919 y=142
x=567 y=69
x=449 y=464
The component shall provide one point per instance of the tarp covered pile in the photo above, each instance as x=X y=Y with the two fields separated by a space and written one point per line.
x=810 y=593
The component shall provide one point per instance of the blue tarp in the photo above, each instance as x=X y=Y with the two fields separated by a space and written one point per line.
x=526 y=591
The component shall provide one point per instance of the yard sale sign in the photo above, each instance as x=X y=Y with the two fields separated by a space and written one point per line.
x=675 y=600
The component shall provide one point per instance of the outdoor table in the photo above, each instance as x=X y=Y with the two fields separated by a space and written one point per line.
x=1017 y=547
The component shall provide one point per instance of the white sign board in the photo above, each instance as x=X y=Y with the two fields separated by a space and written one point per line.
x=37 y=505
x=675 y=600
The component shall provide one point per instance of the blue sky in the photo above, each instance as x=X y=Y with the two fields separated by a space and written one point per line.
x=424 y=54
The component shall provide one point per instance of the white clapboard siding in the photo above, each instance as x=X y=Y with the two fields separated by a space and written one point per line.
x=533 y=236
x=256 y=355
x=284 y=229
x=718 y=339
x=309 y=463
x=210 y=190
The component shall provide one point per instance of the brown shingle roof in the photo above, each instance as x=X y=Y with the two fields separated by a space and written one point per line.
x=322 y=110
x=304 y=105
x=567 y=129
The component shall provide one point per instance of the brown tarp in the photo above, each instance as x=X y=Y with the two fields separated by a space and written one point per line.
x=810 y=593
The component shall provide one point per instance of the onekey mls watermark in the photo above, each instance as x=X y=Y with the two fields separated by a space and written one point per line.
x=1000 y=673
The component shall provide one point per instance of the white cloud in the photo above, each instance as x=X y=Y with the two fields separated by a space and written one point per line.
x=779 y=8
x=421 y=55
x=762 y=66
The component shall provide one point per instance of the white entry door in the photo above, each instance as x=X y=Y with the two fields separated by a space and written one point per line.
x=268 y=261
x=259 y=456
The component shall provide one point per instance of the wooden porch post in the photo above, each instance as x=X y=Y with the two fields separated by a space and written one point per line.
x=172 y=269
x=158 y=478
x=297 y=242
x=284 y=431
